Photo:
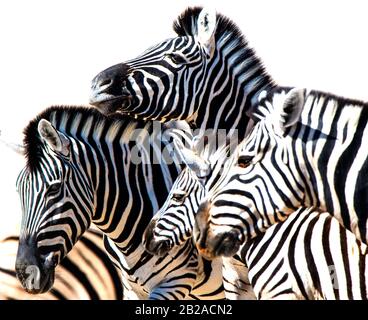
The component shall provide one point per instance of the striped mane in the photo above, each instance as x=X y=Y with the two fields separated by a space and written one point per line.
x=186 y=25
x=341 y=101
x=66 y=118
x=226 y=32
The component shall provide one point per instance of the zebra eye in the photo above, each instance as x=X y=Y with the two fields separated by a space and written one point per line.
x=244 y=161
x=176 y=58
x=178 y=197
x=53 y=188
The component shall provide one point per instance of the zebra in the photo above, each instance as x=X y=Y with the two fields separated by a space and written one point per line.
x=207 y=75
x=82 y=168
x=307 y=149
x=86 y=273
x=310 y=255
x=173 y=224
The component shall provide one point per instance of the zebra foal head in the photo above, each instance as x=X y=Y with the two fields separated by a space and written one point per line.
x=259 y=189
x=55 y=205
x=174 y=223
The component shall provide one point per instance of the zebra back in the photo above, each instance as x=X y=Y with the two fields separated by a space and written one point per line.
x=309 y=256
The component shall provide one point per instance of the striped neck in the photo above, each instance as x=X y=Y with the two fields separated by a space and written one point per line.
x=235 y=77
x=126 y=194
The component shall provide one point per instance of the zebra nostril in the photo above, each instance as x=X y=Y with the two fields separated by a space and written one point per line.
x=105 y=82
x=227 y=244
x=160 y=248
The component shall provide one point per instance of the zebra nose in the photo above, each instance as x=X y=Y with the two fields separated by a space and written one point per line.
x=33 y=275
x=153 y=245
x=226 y=244
x=109 y=84
x=26 y=255
x=159 y=248
x=27 y=260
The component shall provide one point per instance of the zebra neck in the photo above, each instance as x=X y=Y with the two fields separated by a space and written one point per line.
x=326 y=148
x=128 y=194
x=233 y=90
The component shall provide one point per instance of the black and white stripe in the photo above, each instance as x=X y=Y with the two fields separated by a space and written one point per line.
x=306 y=150
x=86 y=273
x=80 y=170
x=308 y=256
x=173 y=224
x=207 y=75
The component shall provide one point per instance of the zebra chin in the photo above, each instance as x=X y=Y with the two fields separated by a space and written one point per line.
x=34 y=275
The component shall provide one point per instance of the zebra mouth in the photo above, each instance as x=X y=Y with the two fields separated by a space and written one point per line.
x=109 y=104
x=35 y=274
x=110 y=90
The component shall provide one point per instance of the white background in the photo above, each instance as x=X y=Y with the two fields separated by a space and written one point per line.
x=50 y=51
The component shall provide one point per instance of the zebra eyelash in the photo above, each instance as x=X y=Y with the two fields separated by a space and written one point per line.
x=53 y=188
x=178 y=197
x=176 y=58
x=244 y=161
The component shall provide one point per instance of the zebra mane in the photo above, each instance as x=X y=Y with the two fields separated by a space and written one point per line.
x=226 y=31
x=261 y=110
x=342 y=101
x=186 y=24
x=65 y=119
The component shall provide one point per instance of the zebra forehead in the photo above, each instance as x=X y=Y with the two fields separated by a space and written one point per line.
x=70 y=120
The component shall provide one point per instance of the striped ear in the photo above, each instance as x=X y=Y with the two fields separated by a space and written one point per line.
x=191 y=159
x=206 y=26
x=292 y=107
x=54 y=139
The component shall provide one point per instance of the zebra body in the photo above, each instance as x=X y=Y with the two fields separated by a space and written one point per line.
x=83 y=168
x=86 y=273
x=306 y=150
x=308 y=256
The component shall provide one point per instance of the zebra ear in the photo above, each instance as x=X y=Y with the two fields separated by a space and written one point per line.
x=54 y=139
x=195 y=163
x=292 y=107
x=206 y=26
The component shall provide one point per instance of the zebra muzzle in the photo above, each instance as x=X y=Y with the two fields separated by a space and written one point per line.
x=33 y=275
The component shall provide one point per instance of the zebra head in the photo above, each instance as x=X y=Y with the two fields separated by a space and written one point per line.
x=140 y=85
x=207 y=75
x=55 y=213
x=259 y=189
x=174 y=223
